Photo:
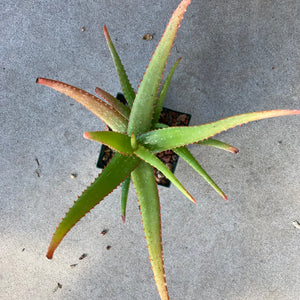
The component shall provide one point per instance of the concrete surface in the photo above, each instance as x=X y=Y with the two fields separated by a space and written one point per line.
x=238 y=56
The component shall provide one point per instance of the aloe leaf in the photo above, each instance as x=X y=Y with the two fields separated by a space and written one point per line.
x=114 y=173
x=151 y=159
x=150 y=211
x=114 y=102
x=98 y=107
x=219 y=144
x=163 y=93
x=127 y=89
x=124 y=196
x=142 y=110
x=209 y=142
x=184 y=153
x=173 y=137
x=115 y=140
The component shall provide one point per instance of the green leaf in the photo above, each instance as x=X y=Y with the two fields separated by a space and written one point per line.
x=124 y=196
x=114 y=102
x=173 y=137
x=210 y=142
x=150 y=211
x=125 y=84
x=163 y=93
x=115 y=140
x=114 y=173
x=151 y=159
x=142 y=110
x=184 y=153
x=219 y=144
x=98 y=107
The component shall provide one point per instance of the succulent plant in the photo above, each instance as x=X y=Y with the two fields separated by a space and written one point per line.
x=136 y=137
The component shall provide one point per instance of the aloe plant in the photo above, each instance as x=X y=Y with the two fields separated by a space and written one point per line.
x=136 y=136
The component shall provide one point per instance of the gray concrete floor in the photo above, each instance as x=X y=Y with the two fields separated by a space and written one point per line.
x=238 y=56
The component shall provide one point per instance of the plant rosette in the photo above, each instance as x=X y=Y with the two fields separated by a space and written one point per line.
x=136 y=136
x=169 y=158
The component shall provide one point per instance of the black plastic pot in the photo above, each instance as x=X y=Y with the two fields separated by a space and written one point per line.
x=168 y=157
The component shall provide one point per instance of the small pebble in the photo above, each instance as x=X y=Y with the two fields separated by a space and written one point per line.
x=82 y=29
x=148 y=37
x=73 y=175
x=73 y=266
x=108 y=247
x=160 y=175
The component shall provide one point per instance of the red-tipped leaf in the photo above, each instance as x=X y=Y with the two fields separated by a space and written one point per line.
x=173 y=137
x=98 y=107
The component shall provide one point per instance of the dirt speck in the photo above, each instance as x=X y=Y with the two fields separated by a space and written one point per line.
x=73 y=266
x=108 y=247
x=296 y=224
x=73 y=175
x=104 y=232
x=59 y=286
x=84 y=255
x=38 y=169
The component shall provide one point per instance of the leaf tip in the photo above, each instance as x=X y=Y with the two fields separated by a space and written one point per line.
x=43 y=81
x=105 y=32
x=49 y=254
x=86 y=135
